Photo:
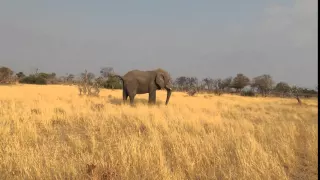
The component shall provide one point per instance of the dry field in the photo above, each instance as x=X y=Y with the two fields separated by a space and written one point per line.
x=50 y=132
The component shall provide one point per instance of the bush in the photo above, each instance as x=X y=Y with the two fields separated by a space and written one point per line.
x=111 y=84
x=248 y=93
x=33 y=80
x=217 y=92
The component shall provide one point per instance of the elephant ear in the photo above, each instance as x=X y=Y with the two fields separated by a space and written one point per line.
x=160 y=80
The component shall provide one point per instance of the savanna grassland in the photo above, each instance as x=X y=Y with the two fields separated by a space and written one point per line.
x=50 y=132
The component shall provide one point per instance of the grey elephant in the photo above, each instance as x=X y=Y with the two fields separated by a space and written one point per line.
x=142 y=82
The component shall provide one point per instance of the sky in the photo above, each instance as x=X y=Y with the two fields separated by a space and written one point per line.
x=204 y=38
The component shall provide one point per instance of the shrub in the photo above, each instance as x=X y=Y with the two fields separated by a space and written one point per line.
x=112 y=84
x=247 y=93
x=192 y=92
x=33 y=80
x=217 y=92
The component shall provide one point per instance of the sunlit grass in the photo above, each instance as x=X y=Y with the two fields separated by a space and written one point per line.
x=50 y=132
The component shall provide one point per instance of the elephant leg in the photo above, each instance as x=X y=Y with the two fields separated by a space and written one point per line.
x=152 y=97
x=132 y=96
x=124 y=95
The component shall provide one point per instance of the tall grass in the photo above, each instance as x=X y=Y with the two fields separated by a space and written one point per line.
x=50 y=132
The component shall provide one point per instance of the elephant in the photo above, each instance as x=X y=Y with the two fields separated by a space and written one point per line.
x=142 y=82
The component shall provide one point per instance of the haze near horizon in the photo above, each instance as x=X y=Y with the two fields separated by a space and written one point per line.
x=214 y=39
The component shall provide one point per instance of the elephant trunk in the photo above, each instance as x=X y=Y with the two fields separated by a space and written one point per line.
x=169 y=90
x=168 y=96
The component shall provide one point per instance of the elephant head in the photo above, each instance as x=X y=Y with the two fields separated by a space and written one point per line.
x=163 y=81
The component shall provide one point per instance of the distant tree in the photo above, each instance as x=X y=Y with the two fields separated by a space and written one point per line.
x=240 y=81
x=301 y=90
x=295 y=89
x=53 y=78
x=186 y=83
x=112 y=83
x=108 y=80
x=192 y=82
x=90 y=76
x=5 y=75
x=43 y=75
x=53 y=75
x=225 y=83
x=70 y=78
x=263 y=83
x=105 y=72
x=202 y=86
x=36 y=71
x=208 y=82
x=181 y=82
x=33 y=79
x=48 y=77
x=296 y=92
x=308 y=92
x=36 y=77
x=217 y=85
x=282 y=87
x=87 y=76
x=20 y=75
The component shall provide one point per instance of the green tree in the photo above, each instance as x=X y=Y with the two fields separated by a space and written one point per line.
x=5 y=74
x=106 y=72
x=112 y=83
x=33 y=79
x=20 y=75
x=282 y=87
x=43 y=75
x=263 y=83
x=181 y=82
x=240 y=81
x=208 y=82
x=225 y=83
x=70 y=77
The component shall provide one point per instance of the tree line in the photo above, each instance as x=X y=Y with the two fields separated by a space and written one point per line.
x=263 y=84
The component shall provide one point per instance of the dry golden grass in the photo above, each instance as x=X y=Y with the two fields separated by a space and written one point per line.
x=50 y=132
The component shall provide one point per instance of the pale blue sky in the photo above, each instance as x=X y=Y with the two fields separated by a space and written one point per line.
x=194 y=38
